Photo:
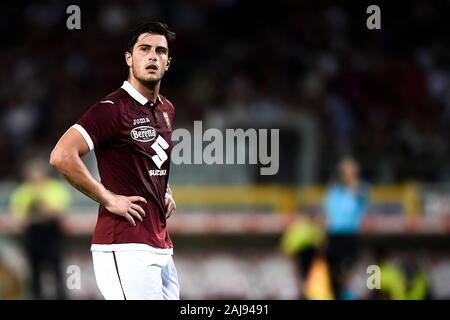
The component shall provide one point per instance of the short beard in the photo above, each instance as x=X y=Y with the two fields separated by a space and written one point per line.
x=148 y=83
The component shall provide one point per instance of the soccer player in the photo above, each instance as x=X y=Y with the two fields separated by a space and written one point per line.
x=130 y=130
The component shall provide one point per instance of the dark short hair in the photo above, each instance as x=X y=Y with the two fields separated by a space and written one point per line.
x=151 y=27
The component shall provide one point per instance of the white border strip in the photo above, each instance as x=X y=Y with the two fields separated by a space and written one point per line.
x=130 y=247
x=85 y=135
x=128 y=87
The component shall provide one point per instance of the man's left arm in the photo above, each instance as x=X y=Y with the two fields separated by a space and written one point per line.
x=170 y=204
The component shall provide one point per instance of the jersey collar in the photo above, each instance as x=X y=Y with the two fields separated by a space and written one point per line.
x=128 y=87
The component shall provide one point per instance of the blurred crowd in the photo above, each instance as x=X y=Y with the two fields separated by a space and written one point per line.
x=380 y=95
x=335 y=260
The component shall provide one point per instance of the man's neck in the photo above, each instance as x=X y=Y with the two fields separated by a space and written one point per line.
x=352 y=184
x=148 y=90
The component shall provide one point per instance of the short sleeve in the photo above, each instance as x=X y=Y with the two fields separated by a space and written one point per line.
x=99 y=123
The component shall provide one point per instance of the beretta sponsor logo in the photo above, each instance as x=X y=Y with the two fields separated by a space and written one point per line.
x=143 y=133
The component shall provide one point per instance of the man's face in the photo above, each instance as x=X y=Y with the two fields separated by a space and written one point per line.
x=349 y=171
x=150 y=57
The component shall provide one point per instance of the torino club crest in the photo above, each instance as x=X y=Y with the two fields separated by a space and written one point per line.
x=166 y=117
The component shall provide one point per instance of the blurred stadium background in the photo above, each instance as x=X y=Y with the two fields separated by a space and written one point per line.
x=311 y=69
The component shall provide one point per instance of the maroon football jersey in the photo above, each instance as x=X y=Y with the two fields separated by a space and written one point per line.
x=132 y=141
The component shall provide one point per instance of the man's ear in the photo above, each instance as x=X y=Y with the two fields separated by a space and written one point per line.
x=168 y=63
x=128 y=59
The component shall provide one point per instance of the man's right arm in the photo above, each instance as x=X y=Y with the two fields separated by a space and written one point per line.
x=66 y=158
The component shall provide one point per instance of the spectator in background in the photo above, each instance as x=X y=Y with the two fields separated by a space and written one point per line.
x=303 y=240
x=345 y=205
x=400 y=279
x=38 y=203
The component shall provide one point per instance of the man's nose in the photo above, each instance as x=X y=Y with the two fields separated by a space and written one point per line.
x=152 y=56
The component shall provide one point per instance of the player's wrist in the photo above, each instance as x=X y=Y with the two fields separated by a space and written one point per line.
x=107 y=198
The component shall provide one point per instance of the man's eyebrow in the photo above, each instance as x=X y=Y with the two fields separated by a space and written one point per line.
x=149 y=45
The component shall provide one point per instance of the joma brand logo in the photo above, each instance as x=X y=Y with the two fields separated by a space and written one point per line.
x=141 y=121
x=143 y=134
